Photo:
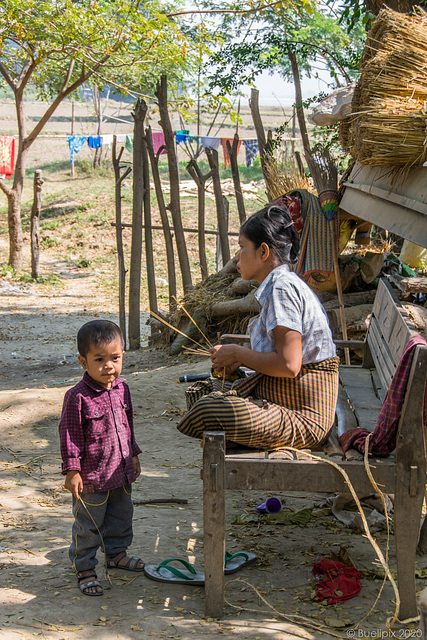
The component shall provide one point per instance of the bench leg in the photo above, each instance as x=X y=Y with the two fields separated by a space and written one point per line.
x=214 y=521
x=407 y=519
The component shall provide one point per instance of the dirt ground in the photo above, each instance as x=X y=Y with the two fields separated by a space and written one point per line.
x=39 y=596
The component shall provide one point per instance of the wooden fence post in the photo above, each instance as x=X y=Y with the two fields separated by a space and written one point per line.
x=154 y=161
x=174 y=206
x=35 y=229
x=135 y=259
x=212 y=156
x=119 y=235
x=232 y=153
x=200 y=180
x=260 y=134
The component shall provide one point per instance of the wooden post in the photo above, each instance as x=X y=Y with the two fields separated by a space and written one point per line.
x=232 y=153
x=174 y=206
x=35 y=230
x=200 y=180
x=260 y=134
x=148 y=232
x=119 y=236
x=214 y=521
x=154 y=161
x=135 y=259
x=72 y=133
x=212 y=156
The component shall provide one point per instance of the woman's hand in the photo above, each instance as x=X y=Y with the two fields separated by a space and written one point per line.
x=224 y=357
x=74 y=483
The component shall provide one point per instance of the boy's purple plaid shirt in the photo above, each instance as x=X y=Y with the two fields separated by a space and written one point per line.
x=383 y=439
x=96 y=434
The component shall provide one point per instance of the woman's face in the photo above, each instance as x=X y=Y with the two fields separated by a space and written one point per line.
x=250 y=262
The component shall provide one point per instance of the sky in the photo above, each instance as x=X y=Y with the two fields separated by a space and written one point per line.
x=275 y=91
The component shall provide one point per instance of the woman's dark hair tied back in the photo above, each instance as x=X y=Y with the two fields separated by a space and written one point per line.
x=274 y=226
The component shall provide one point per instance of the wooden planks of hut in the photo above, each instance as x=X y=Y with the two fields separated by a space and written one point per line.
x=389 y=107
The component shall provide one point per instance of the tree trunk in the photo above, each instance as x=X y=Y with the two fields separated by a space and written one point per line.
x=174 y=206
x=35 y=229
x=154 y=161
x=212 y=156
x=300 y=112
x=119 y=237
x=135 y=259
x=232 y=153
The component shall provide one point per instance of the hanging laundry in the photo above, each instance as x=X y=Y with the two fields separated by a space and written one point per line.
x=182 y=136
x=129 y=142
x=107 y=141
x=158 y=141
x=225 y=150
x=94 y=142
x=210 y=142
x=7 y=156
x=75 y=144
x=121 y=138
x=251 y=149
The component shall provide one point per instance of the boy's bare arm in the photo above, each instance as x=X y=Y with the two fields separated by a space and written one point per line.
x=74 y=483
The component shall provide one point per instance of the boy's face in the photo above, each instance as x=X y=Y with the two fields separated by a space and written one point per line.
x=104 y=362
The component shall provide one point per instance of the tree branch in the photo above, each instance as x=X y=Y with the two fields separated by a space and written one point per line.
x=68 y=76
x=7 y=77
x=6 y=190
x=237 y=11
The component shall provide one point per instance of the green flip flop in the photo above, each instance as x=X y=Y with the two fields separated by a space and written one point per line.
x=166 y=573
x=237 y=561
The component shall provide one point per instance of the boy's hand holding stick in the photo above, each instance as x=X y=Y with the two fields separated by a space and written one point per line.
x=74 y=483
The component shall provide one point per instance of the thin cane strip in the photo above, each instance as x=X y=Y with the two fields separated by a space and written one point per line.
x=102 y=539
x=173 y=328
x=365 y=525
x=302 y=620
x=193 y=321
x=203 y=352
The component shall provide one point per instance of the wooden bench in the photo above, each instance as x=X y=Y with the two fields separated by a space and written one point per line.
x=362 y=392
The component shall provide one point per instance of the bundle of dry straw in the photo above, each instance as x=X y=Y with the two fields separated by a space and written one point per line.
x=389 y=108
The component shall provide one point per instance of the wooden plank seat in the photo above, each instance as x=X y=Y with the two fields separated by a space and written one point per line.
x=362 y=392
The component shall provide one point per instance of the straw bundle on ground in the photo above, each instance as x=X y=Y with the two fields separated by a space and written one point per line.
x=389 y=107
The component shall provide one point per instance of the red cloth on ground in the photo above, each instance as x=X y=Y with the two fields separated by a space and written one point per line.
x=383 y=439
x=225 y=150
x=7 y=156
x=336 y=581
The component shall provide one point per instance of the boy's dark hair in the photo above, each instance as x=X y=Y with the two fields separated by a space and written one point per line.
x=97 y=332
x=273 y=225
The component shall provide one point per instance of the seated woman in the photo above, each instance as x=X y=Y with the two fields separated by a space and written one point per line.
x=290 y=400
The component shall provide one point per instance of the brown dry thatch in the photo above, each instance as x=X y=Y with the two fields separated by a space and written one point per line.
x=389 y=107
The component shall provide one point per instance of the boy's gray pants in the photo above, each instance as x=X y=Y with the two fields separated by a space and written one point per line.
x=111 y=512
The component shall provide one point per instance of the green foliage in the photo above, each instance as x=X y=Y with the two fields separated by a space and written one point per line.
x=50 y=280
x=48 y=242
x=66 y=42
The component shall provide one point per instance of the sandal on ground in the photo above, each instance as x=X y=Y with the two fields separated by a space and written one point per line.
x=86 y=582
x=130 y=564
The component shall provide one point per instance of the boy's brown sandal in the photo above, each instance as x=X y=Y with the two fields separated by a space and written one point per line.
x=86 y=582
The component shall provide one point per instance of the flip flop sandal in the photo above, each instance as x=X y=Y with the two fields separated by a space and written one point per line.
x=131 y=564
x=165 y=573
x=237 y=561
x=85 y=582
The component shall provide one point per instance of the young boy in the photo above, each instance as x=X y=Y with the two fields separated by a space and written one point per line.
x=100 y=456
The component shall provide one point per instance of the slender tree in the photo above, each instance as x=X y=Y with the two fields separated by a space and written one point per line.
x=58 y=46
